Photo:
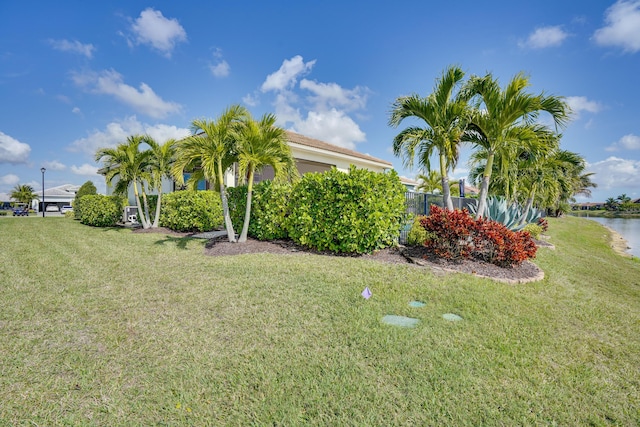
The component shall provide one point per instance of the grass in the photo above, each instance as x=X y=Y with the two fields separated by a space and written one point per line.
x=107 y=327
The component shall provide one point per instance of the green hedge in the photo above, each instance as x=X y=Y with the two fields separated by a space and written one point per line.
x=190 y=210
x=100 y=211
x=355 y=212
x=268 y=209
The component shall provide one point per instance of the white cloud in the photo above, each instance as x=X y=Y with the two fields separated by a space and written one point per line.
x=12 y=150
x=627 y=142
x=322 y=113
x=287 y=75
x=117 y=132
x=615 y=172
x=622 y=27
x=251 y=99
x=9 y=179
x=331 y=126
x=110 y=82
x=76 y=110
x=85 y=170
x=581 y=103
x=54 y=166
x=221 y=69
x=327 y=95
x=73 y=46
x=153 y=29
x=545 y=37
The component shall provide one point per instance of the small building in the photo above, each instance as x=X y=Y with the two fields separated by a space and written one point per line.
x=60 y=196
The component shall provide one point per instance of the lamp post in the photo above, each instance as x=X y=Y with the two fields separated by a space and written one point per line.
x=42 y=170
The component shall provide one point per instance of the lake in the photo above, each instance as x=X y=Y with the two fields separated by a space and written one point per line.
x=629 y=228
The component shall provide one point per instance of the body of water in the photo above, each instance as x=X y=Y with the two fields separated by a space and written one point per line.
x=629 y=228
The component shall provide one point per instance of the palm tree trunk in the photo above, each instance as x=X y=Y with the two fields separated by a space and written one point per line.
x=143 y=220
x=225 y=205
x=247 y=212
x=156 y=220
x=147 y=217
x=484 y=187
x=446 y=191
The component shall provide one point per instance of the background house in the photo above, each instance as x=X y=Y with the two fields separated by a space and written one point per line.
x=311 y=155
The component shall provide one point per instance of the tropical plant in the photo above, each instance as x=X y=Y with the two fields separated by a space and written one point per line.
x=190 y=210
x=611 y=204
x=160 y=162
x=445 y=114
x=130 y=166
x=209 y=152
x=259 y=144
x=504 y=119
x=85 y=189
x=24 y=194
x=430 y=182
x=509 y=214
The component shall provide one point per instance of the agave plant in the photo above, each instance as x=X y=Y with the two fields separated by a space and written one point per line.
x=509 y=214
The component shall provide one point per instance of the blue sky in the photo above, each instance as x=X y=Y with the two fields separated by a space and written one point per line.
x=79 y=75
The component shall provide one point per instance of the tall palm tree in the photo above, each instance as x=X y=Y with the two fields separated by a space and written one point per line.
x=24 y=194
x=503 y=118
x=261 y=143
x=429 y=182
x=130 y=165
x=445 y=114
x=160 y=162
x=209 y=152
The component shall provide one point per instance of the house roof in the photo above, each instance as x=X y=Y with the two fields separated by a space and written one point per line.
x=62 y=190
x=296 y=138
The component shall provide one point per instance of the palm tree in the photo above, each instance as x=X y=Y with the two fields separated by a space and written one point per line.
x=504 y=118
x=430 y=182
x=209 y=152
x=445 y=114
x=162 y=156
x=24 y=194
x=261 y=143
x=130 y=166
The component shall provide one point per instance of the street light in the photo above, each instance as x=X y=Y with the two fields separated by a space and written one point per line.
x=42 y=170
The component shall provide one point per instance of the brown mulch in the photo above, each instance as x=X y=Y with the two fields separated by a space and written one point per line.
x=417 y=256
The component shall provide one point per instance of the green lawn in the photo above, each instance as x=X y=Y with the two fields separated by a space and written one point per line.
x=107 y=327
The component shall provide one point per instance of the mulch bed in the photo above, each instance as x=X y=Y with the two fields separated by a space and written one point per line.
x=416 y=256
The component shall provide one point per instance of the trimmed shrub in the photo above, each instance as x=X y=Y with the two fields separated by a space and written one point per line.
x=417 y=235
x=99 y=210
x=533 y=229
x=85 y=189
x=190 y=210
x=451 y=232
x=456 y=235
x=355 y=212
x=269 y=208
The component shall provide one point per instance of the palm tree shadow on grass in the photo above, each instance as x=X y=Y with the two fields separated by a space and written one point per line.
x=180 y=242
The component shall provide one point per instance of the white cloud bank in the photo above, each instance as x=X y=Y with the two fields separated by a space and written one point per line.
x=54 y=165
x=9 y=179
x=12 y=150
x=322 y=113
x=627 y=142
x=622 y=27
x=117 y=132
x=153 y=29
x=616 y=173
x=73 y=46
x=110 y=82
x=84 y=170
x=544 y=37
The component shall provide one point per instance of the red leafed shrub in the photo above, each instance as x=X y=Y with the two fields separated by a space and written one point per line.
x=544 y=224
x=495 y=243
x=452 y=231
x=459 y=236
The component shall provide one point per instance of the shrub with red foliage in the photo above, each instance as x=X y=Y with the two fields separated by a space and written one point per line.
x=452 y=231
x=459 y=236
x=544 y=224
